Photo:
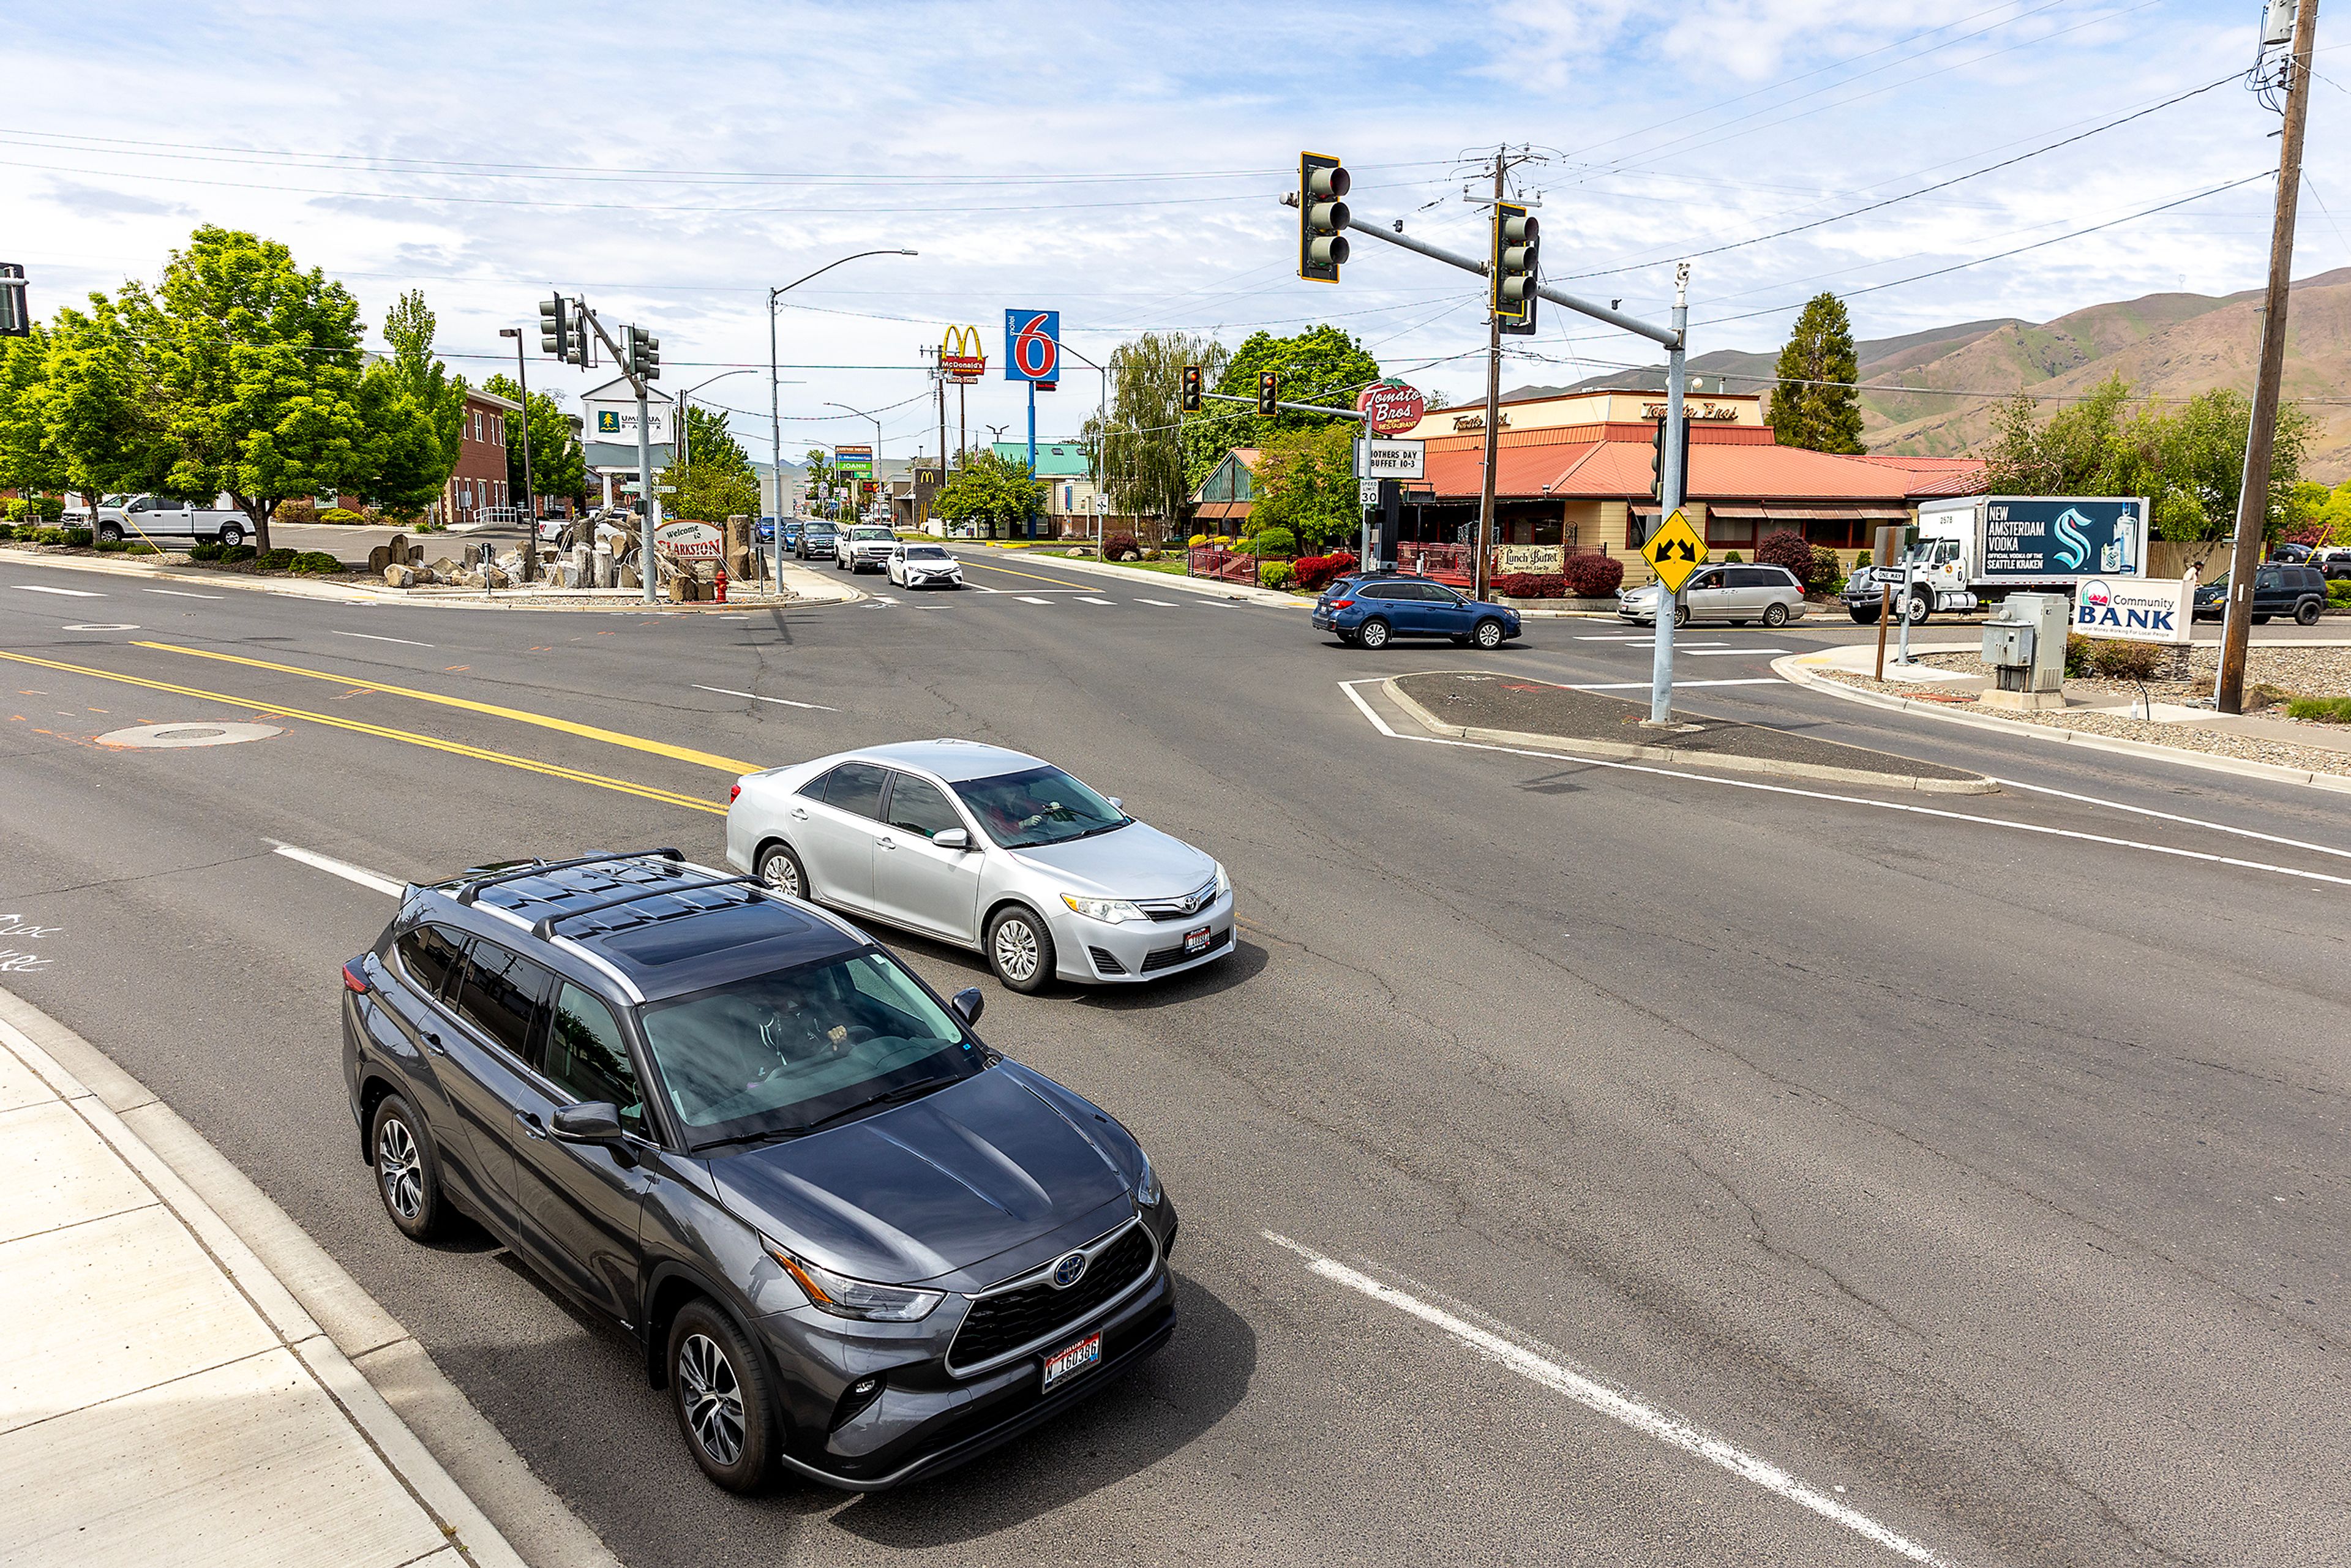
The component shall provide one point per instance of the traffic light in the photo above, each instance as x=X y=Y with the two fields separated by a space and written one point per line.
x=1191 y=388
x=644 y=354
x=554 y=327
x=1323 y=185
x=1268 y=393
x=1512 y=267
x=1657 y=459
x=15 y=315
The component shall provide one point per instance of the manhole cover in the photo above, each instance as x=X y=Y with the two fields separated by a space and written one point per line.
x=175 y=737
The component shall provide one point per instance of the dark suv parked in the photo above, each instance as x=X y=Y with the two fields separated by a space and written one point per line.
x=2278 y=590
x=851 y=1238
x=1373 y=608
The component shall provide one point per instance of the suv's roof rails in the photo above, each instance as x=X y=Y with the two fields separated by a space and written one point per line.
x=545 y=928
x=473 y=886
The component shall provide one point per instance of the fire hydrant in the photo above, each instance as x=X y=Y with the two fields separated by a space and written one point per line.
x=718 y=582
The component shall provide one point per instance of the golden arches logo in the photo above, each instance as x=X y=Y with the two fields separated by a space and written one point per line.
x=960 y=355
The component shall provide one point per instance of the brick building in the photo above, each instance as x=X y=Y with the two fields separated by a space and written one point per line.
x=479 y=480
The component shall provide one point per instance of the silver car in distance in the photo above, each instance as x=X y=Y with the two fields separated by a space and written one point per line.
x=989 y=848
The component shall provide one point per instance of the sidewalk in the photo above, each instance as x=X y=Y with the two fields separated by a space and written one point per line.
x=1134 y=577
x=164 y=1397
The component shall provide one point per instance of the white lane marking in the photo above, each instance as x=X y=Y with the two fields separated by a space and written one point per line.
x=1161 y=602
x=1680 y=685
x=69 y=593
x=1089 y=599
x=1703 y=651
x=1032 y=599
x=878 y=599
x=343 y=869
x=1613 y=1403
x=100 y=626
x=1382 y=726
x=402 y=641
x=982 y=587
x=182 y=593
x=2174 y=817
x=780 y=702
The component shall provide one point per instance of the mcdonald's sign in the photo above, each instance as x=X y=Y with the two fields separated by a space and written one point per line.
x=961 y=357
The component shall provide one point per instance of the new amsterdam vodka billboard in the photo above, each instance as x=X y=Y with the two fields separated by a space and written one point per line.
x=2061 y=536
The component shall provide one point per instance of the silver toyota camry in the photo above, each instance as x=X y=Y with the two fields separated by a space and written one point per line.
x=989 y=848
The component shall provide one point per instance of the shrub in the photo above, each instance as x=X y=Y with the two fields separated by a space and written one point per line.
x=1275 y=573
x=1315 y=572
x=2077 y=655
x=113 y=547
x=7 y=531
x=1531 y=585
x=1152 y=555
x=1196 y=540
x=1787 y=548
x=203 y=549
x=340 y=515
x=1121 y=547
x=2124 y=661
x=140 y=546
x=2339 y=592
x=2325 y=710
x=1593 y=576
x=230 y=555
x=296 y=511
x=311 y=560
x=1733 y=558
x=78 y=538
x=1275 y=542
x=1827 y=573
x=276 y=561
x=13 y=508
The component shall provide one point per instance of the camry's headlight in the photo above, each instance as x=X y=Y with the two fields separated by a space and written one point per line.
x=1110 y=910
x=1224 y=880
x=1146 y=1188
x=846 y=1298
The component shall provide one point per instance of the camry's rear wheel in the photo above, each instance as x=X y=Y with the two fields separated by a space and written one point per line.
x=1020 y=950
x=719 y=1391
x=781 y=870
x=407 y=1171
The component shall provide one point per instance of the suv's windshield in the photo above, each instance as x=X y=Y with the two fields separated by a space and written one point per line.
x=1040 y=805
x=777 y=1053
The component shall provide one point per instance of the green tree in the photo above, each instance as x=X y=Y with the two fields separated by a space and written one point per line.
x=27 y=462
x=415 y=413
x=708 y=439
x=1305 y=481
x=1813 y=402
x=989 y=489
x=823 y=475
x=1323 y=364
x=558 y=464
x=710 y=492
x=1142 y=462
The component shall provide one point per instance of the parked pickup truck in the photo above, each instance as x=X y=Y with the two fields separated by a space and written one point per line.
x=1976 y=550
x=159 y=518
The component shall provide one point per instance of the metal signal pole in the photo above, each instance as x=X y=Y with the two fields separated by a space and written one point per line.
x=1671 y=482
x=530 y=490
x=1493 y=421
x=2253 y=499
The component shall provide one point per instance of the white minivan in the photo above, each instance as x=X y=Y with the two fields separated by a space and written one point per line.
x=159 y=518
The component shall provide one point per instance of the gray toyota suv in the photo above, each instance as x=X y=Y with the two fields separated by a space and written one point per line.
x=852 y=1240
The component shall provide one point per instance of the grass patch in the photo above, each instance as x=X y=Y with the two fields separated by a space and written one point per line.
x=2324 y=710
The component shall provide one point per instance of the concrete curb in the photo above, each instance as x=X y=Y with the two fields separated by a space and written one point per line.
x=1614 y=751
x=496 y=1509
x=1792 y=669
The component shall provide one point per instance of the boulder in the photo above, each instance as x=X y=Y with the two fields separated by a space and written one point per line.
x=681 y=589
x=628 y=578
x=602 y=570
x=395 y=550
x=494 y=576
x=444 y=569
x=568 y=576
x=397 y=576
x=380 y=558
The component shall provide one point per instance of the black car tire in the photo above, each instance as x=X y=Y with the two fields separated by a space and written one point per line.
x=719 y=1389
x=1374 y=634
x=233 y=535
x=407 y=1169
x=1489 y=635
x=110 y=533
x=1018 y=936
x=1775 y=615
x=1917 y=608
x=2261 y=620
x=2307 y=613
x=1681 y=615
x=1863 y=615
x=780 y=868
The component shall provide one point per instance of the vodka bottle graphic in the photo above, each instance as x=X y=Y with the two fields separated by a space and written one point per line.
x=2116 y=555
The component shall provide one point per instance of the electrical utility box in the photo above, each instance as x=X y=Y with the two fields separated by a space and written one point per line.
x=2025 y=646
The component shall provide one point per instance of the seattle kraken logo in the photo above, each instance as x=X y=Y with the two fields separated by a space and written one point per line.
x=2073 y=544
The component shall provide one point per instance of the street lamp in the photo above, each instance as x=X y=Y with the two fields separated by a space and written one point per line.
x=775 y=409
x=684 y=455
x=530 y=489
x=1101 y=441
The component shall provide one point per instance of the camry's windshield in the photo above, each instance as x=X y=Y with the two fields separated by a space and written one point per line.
x=777 y=1053
x=1038 y=806
x=925 y=552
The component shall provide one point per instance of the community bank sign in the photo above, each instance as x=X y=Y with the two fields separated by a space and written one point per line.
x=2134 y=610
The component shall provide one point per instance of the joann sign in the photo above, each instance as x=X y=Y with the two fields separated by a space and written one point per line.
x=2133 y=609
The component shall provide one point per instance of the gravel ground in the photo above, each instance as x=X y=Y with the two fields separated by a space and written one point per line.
x=2312 y=670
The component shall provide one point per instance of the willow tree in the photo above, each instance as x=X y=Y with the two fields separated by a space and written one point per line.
x=1140 y=461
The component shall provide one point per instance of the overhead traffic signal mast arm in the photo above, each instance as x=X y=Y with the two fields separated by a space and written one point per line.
x=619 y=357
x=1294 y=407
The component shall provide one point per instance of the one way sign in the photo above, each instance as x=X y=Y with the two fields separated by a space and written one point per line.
x=1675 y=551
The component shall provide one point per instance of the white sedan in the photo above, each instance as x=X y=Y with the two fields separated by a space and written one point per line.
x=924 y=566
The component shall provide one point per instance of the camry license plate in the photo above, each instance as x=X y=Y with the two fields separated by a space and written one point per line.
x=1065 y=1363
x=1195 y=941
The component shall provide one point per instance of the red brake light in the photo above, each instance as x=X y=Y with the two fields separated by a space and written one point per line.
x=352 y=982
x=1340 y=603
x=733 y=793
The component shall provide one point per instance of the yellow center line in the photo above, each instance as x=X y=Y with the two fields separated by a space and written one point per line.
x=456 y=749
x=1056 y=582
x=726 y=765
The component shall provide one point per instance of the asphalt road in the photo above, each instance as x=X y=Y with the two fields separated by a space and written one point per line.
x=1578 y=1162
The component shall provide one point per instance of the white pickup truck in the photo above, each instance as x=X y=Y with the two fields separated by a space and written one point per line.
x=160 y=517
x=1976 y=550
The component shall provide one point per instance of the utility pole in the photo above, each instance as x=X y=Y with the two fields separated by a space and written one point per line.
x=2253 y=499
x=1493 y=419
x=1671 y=481
x=939 y=370
x=529 y=490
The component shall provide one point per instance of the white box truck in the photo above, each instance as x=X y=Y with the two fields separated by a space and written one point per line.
x=1976 y=550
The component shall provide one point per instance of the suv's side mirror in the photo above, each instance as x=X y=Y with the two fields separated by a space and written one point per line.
x=592 y=1121
x=1115 y=803
x=951 y=838
x=967 y=1004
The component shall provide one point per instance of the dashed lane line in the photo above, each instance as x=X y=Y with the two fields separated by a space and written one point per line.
x=1163 y=603
x=371 y=637
x=780 y=702
x=1027 y=599
x=1089 y=599
x=728 y=765
x=182 y=593
x=333 y=867
x=382 y=732
x=68 y=592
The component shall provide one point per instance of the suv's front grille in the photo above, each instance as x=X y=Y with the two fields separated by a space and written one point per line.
x=1029 y=1313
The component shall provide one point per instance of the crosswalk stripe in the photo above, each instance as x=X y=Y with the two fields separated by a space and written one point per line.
x=1030 y=598
x=1161 y=602
x=1089 y=599
x=69 y=593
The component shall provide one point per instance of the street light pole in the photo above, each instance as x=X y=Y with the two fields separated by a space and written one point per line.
x=530 y=489
x=1102 y=439
x=775 y=409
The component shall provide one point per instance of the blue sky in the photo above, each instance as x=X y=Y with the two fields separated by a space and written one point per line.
x=1123 y=164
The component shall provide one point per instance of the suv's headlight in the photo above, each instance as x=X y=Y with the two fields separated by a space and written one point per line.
x=1110 y=910
x=1146 y=1188
x=846 y=1298
x=1224 y=880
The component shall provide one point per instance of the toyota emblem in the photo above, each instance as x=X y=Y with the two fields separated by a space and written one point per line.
x=1069 y=1270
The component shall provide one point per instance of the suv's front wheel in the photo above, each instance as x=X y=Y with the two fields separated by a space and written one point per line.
x=719 y=1391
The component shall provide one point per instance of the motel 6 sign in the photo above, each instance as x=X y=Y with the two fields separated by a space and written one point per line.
x=1033 y=346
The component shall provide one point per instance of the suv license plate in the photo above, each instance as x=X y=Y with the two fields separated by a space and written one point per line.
x=1065 y=1363
x=1195 y=941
